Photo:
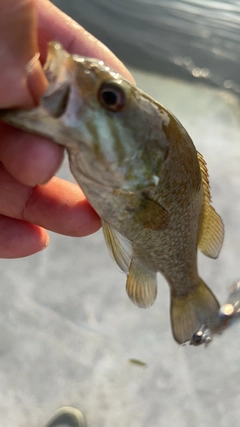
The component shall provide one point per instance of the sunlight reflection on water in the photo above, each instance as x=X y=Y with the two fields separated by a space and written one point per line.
x=189 y=38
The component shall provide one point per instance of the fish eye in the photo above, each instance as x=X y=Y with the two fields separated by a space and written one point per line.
x=112 y=96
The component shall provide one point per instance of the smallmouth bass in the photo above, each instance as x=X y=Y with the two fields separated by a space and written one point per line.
x=140 y=171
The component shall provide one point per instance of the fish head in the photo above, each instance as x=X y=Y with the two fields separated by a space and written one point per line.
x=104 y=121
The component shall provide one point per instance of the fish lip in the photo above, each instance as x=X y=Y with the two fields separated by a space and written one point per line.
x=56 y=56
x=58 y=67
x=62 y=100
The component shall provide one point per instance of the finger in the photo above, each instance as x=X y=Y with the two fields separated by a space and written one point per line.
x=59 y=206
x=19 y=238
x=18 y=45
x=30 y=159
x=56 y=25
x=29 y=163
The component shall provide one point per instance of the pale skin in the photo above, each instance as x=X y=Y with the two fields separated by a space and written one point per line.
x=32 y=200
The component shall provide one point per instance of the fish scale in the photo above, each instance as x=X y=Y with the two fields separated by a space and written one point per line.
x=141 y=172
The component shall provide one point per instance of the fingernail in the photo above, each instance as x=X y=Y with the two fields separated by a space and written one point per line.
x=46 y=243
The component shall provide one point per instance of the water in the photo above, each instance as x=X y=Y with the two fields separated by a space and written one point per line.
x=68 y=329
x=189 y=39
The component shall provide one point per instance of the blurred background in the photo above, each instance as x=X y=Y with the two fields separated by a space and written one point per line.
x=68 y=328
x=185 y=38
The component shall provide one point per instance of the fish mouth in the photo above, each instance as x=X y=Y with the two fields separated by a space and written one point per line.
x=58 y=70
x=56 y=65
x=59 y=100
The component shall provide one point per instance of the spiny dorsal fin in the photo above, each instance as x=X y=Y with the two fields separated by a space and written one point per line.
x=141 y=285
x=119 y=247
x=211 y=231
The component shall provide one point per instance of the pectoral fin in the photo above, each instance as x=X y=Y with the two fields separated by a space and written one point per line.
x=141 y=285
x=151 y=215
x=211 y=232
x=119 y=247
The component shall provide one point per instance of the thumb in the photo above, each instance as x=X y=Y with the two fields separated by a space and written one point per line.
x=18 y=45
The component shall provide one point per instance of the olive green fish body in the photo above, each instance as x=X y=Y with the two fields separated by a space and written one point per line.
x=173 y=205
x=140 y=171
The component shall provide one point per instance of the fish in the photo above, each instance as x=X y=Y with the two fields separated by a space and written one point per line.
x=141 y=172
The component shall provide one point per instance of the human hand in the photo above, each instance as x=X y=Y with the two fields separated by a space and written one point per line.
x=27 y=207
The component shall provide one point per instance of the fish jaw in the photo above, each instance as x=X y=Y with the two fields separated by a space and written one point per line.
x=51 y=118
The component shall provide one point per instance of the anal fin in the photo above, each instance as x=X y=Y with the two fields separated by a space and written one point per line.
x=141 y=284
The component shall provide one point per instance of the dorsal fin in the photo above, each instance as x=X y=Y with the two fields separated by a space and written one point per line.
x=119 y=247
x=211 y=231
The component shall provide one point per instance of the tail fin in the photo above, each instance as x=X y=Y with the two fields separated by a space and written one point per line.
x=190 y=311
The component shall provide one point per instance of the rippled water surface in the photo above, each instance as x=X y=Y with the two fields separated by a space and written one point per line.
x=185 y=38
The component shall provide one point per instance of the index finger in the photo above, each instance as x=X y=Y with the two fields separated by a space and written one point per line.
x=56 y=25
